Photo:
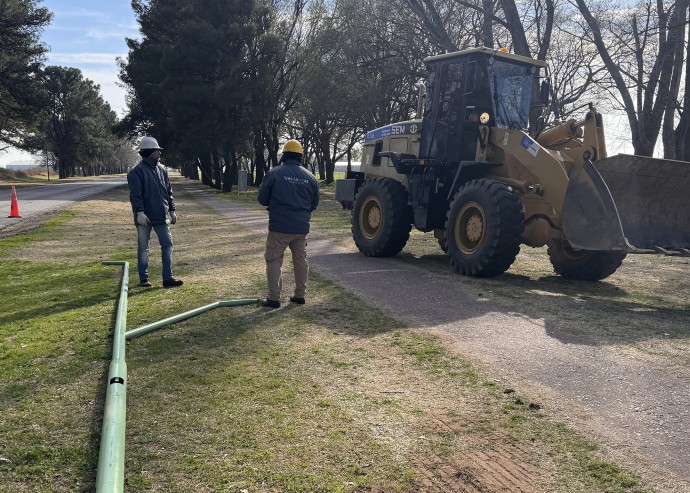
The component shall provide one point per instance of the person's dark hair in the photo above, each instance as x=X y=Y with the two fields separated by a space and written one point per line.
x=146 y=152
x=291 y=155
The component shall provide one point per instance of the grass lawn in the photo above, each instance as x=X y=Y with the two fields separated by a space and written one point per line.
x=25 y=180
x=333 y=396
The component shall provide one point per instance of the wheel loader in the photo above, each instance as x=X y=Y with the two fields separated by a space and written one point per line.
x=479 y=168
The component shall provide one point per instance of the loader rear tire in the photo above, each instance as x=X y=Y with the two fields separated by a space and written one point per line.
x=484 y=228
x=381 y=218
x=582 y=265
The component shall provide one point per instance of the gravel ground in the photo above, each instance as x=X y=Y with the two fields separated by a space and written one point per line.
x=638 y=408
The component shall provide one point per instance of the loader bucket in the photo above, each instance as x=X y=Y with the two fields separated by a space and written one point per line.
x=590 y=218
x=653 y=200
x=649 y=198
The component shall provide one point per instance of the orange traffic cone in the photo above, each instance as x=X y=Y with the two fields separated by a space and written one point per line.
x=14 y=208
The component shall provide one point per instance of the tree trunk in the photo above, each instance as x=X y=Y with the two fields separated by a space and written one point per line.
x=327 y=159
x=517 y=31
x=680 y=136
x=320 y=160
x=230 y=169
x=190 y=170
x=272 y=146
x=659 y=95
x=682 y=131
x=205 y=168
x=259 y=160
x=546 y=33
x=62 y=168
x=668 y=133
x=217 y=170
x=330 y=170
x=487 y=25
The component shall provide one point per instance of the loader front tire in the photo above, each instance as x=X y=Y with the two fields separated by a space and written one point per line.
x=443 y=243
x=381 y=218
x=582 y=265
x=484 y=228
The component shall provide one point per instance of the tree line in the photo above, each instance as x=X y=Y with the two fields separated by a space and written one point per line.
x=221 y=83
x=52 y=111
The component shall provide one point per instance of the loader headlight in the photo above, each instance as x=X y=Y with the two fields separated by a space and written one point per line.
x=484 y=118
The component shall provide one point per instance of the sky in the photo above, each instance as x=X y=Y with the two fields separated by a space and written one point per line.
x=88 y=35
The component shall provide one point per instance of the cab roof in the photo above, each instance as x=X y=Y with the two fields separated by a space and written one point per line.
x=490 y=52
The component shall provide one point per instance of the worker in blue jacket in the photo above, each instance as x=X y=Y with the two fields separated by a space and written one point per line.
x=290 y=193
x=153 y=206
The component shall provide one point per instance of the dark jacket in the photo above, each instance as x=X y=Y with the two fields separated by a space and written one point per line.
x=291 y=193
x=150 y=191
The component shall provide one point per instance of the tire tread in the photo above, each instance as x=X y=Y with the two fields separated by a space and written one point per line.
x=504 y=244
x=396 y=229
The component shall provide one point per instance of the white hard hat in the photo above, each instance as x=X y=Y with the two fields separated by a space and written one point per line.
x=148 y=143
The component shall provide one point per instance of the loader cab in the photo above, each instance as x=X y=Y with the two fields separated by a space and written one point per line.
x=465 y=85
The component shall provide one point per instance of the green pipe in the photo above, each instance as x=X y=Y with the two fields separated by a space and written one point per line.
x=110 y=476
x=145 y=329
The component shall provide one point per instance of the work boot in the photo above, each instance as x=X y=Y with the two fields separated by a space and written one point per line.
x=270 y=303
x=145 y=283
x=172 y=283
x=297 y=299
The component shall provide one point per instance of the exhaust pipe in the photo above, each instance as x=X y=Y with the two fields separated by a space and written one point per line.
x=421 y=94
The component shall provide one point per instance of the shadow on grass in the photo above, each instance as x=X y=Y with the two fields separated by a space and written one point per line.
x=61 y=291
x=431 y=294
x=175 y=344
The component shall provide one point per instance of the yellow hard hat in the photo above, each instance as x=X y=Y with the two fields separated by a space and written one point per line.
x=293 y=146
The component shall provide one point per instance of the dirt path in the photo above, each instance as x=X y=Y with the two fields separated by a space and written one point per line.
x=639 y=408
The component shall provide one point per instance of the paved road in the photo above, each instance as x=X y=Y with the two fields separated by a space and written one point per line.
x=614 y=393
x=40 y=199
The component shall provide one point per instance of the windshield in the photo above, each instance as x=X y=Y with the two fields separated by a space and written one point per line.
x=511 y=86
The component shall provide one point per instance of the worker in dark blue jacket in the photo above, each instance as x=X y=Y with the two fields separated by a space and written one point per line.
x=291 y=194
x=153 y=206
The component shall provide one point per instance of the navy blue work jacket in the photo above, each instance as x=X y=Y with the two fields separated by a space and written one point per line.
x=150 y=191
x=291 y=194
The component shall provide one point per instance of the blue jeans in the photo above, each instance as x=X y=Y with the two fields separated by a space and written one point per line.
x=165 y=240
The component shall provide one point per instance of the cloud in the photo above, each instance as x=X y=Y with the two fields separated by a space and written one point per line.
x=113 y=33
x=84 y=13
x=111 y=91
x=84 y=58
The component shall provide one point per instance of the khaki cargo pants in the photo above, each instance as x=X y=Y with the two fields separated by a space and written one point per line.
x=276 y=243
